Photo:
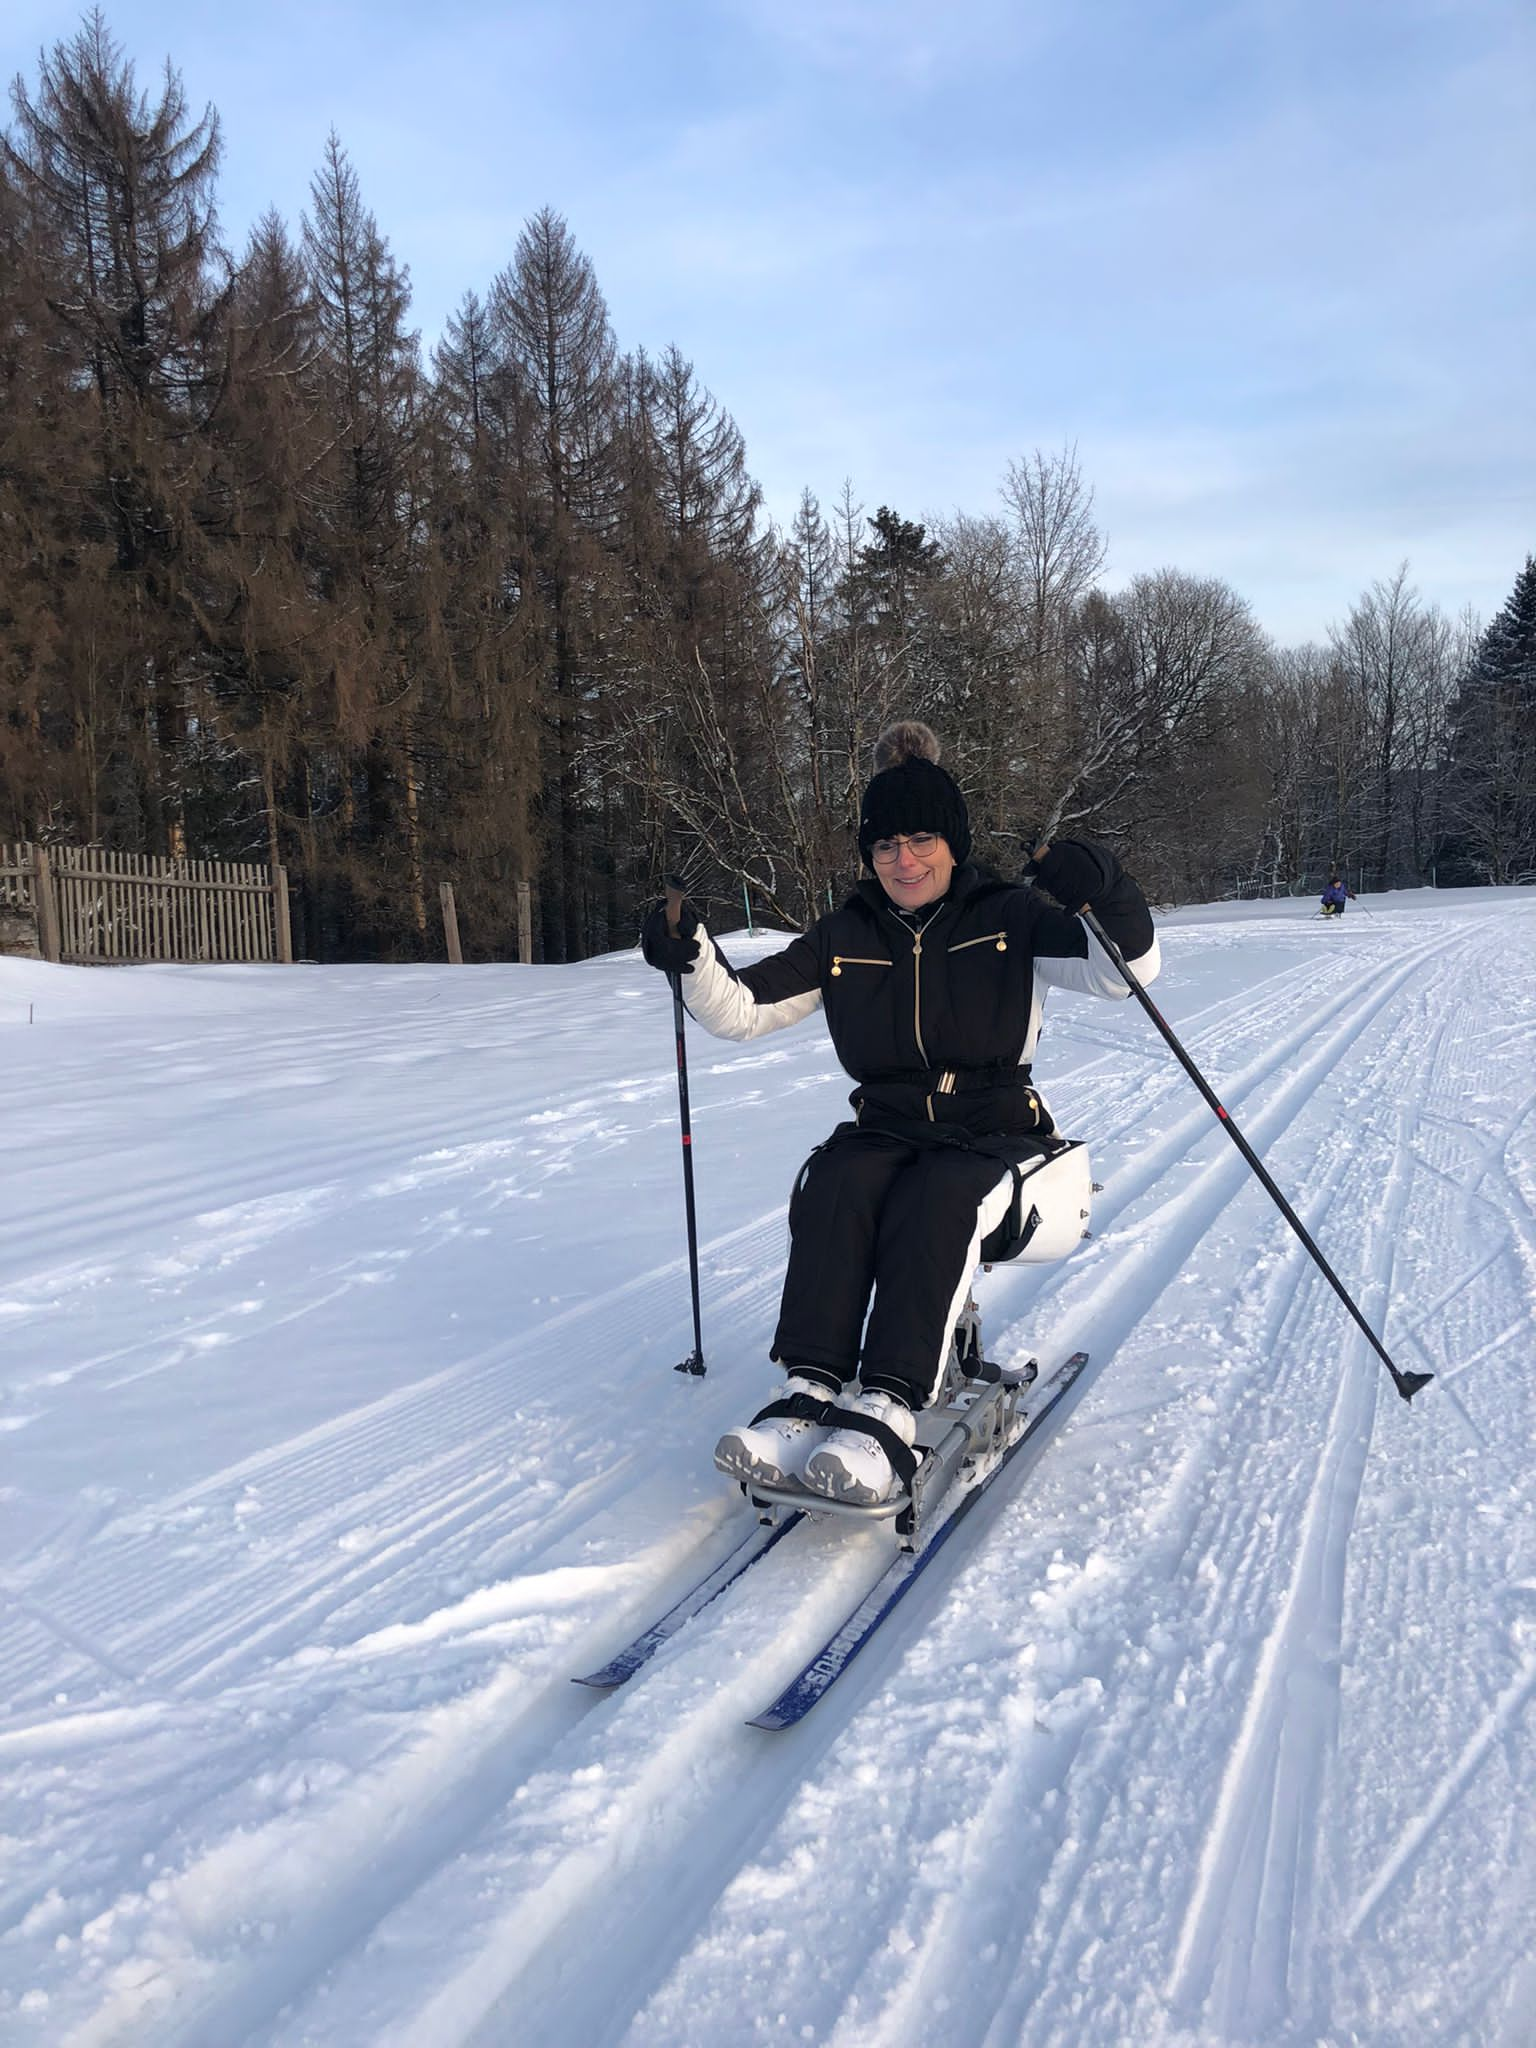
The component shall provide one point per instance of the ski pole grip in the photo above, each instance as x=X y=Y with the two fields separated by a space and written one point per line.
x=675 y=895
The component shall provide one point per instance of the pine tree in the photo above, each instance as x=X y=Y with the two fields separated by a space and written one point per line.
x=1489 y=785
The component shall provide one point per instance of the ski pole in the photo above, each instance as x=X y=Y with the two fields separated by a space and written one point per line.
x=1406 y=1383
x=695 y=1362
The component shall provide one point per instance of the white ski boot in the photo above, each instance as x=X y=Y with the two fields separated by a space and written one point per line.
x=847 y=1464
x=772 y=1452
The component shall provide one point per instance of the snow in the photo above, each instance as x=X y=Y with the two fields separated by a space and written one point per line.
x=339 y=1430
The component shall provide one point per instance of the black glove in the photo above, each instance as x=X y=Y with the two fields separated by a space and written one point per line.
x=1076 y=872
x=661 y=950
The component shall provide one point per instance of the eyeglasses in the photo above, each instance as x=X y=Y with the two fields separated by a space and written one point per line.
x=884 y=852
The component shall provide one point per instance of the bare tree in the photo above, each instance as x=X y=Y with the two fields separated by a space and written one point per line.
x=1382 y=652
x=1158 y=671
x=978 y=665
x=1058 y=549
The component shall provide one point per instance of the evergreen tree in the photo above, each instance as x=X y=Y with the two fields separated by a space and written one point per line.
x=1489 y=789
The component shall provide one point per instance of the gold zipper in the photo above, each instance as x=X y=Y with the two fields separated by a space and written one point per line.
x=842 y=960
x=998 y=939
x=917 y=998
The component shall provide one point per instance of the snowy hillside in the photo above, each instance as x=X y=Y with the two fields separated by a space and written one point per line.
x=338 y=1310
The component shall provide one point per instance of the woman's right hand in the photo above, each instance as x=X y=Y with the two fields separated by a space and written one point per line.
x=669 y=952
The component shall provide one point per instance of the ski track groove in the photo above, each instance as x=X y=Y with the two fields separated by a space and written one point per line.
x=1250 y=1846
x=318 y=1490
x=1500 y=1718
x=1063 y=1911
x=1057 y=1913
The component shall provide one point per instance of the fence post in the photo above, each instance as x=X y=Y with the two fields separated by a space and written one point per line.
x=47 y=904
x=450 y=923
x=525 y=922
x=280 y=916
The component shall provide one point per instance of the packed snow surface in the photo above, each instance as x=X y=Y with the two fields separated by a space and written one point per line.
x=338 y=1314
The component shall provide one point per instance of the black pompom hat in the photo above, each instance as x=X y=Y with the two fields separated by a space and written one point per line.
x=911 y=793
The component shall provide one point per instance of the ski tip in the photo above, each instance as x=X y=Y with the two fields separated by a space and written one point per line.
x=774 y=1718
x=1409 y=1383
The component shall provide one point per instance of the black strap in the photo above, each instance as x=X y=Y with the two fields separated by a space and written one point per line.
x=806 y=1408
x=902 y=1456
x=793 y=1407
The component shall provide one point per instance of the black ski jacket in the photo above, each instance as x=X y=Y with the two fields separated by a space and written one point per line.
x=933 y=1013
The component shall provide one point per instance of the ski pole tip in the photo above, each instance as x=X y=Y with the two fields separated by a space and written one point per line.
x=1409 y=1383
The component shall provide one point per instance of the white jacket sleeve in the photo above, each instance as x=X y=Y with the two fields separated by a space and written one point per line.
x=725 y=1005
x=1098 y=975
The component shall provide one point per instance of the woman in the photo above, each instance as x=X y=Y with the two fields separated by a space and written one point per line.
x=932 y=975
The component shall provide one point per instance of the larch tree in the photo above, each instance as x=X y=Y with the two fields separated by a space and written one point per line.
x=479 y=441
x=115 y=197
x=554 y=338
x=364 y=498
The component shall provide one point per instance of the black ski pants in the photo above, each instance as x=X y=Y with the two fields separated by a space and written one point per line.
x=873 y=1213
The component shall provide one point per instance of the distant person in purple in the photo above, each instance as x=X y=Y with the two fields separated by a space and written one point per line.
x=1335 y=896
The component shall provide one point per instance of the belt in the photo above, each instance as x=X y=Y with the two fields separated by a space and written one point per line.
x=954 y=1080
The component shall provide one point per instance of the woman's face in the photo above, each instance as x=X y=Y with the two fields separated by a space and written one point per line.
x=912 y=879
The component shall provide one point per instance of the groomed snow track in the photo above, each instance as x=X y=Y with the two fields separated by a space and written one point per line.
x=339 y=1442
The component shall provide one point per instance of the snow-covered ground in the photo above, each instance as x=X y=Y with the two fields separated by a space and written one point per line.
x=338 y=1311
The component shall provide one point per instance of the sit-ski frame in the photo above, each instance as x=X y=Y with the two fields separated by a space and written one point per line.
x=968 y=1425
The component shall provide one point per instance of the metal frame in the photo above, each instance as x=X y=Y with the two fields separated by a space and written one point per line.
x=970 y=1424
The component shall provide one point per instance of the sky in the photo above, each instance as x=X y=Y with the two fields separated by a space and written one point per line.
x=1265 y=264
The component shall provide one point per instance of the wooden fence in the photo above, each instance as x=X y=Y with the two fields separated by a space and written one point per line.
x=89 y=906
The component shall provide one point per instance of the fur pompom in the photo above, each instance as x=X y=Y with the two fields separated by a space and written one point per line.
x=907 y=740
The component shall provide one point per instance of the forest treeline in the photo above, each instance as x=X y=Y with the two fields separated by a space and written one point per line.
x=273 y=585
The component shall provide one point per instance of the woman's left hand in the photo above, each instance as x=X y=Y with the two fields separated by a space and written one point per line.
x=1075 y=871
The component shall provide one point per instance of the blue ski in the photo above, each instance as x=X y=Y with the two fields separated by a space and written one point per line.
x=839 y=1651
x=638 y=1653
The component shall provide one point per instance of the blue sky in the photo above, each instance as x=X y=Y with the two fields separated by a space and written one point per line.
x=1267 y=263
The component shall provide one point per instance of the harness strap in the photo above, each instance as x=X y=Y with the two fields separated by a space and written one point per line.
x=902 y=1456
x=795 y=1408
x=806 y=1408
